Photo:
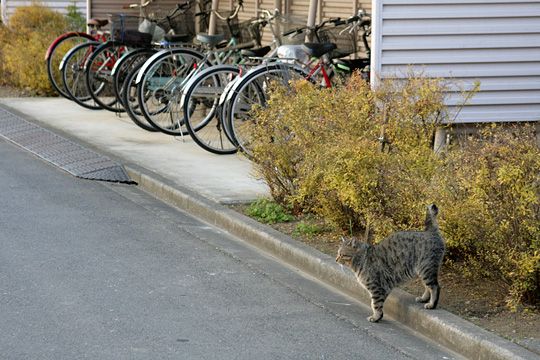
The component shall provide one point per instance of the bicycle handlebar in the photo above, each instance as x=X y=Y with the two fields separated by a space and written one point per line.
x=239 y=5
x=134 y=6
x=336 y=21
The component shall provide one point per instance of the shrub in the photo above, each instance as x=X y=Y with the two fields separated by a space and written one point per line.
x=30 y=31
x=489 y=190
x=325 y=154
x=363 y=161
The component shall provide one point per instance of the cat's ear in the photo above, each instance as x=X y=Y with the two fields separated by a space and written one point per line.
x=343 y=240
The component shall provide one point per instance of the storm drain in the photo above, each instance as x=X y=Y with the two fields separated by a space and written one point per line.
x=67 y=155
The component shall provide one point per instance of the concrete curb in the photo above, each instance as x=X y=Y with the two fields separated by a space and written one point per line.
x=441 y=326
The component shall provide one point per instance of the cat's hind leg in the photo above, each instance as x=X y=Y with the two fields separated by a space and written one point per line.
x=432 y=291
x=377 y=301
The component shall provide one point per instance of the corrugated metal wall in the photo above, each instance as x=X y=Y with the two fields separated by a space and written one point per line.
x=102 y=8
x=297 y=10
x=9 y=6
x=495 y=42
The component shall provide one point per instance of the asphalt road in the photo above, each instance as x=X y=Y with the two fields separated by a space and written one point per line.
x=103 y=271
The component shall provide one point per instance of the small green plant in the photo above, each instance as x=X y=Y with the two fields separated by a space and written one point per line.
x=268 y=211
x=76 y=20
x=308 y=229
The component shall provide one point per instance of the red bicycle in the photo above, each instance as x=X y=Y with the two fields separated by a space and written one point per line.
x=64 y=43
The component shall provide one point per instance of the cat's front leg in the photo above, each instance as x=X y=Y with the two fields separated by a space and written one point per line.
x=425 y=296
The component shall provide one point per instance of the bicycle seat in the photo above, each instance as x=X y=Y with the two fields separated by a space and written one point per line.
x=318 y=50
x=211 y=40
x=97 y=22
x=177 y=38
x=258 y=52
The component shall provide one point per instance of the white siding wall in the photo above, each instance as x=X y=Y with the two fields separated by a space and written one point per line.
x=495 y=42
x=9 y=6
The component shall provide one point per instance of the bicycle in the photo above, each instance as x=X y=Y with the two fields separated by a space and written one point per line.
x=67 y=41
x=161 y=80
x=127 y=32
x=202 y=96
x=251 y=91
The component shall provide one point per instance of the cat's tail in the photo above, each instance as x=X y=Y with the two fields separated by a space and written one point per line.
x=431 y=218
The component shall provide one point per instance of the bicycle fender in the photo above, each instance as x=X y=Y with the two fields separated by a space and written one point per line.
x=66 y=35
x=62 y=63
x=150 y=62
x=118 y=63
x=202 y=74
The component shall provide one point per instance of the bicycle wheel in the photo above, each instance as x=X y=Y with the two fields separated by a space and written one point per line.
x=124 y=66
x=159 y=88
x=73 y=78
x=251 y=93
x=202 y=108
x=131 y=102
x=56 y=51
x=99 y=80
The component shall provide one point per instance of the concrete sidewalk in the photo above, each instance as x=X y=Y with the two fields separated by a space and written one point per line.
x=180 y=173
x=224 y=179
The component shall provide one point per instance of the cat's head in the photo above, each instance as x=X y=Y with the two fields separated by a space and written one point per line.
x=349 y=249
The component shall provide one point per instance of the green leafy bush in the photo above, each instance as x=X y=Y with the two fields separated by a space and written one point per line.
x=268 y=211
x=30 y=31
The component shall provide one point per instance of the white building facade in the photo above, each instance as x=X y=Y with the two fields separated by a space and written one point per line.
x=493 y=42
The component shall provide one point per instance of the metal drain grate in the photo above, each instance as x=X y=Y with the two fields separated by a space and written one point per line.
x=73 y=158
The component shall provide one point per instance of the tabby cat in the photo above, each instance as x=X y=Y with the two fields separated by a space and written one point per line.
x=401 y=256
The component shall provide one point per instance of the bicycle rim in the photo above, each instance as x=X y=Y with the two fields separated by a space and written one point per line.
x=55 y=56
x=125 y=66
x=202 y=111
x=159 y=91
x=73 y=76
x=252 y=94
x=131 y=102
x=98 y=71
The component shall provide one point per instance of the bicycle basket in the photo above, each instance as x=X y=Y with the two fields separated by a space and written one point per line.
x=125 y=29
x=247 y=31
x=345 y=42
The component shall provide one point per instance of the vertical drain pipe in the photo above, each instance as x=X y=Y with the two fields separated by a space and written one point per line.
x=212 y=22
x=312 y=15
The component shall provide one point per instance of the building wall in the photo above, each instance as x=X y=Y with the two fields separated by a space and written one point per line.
x=494 y=42
x=9 y=6
x=297 y=11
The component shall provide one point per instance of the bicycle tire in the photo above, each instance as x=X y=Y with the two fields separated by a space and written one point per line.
x=159 y=86
x=99 y=80
x=250 y=92
x=202 y=109
x=56 y=52
x=125 y=65
x=131 y=102
x=73 y=78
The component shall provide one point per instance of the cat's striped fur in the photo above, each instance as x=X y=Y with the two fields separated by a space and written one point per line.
x=399 y=257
